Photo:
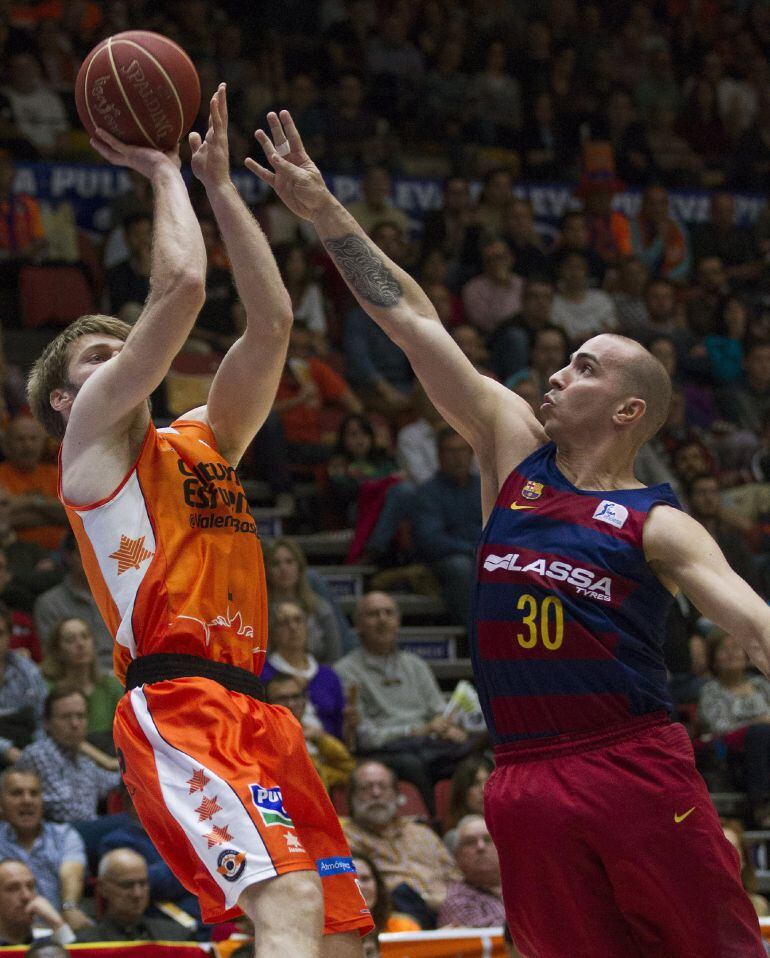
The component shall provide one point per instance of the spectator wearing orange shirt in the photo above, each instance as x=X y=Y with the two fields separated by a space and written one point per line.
x=21 y=237
x=36 y=513
x=307 y=386
x=21 y=228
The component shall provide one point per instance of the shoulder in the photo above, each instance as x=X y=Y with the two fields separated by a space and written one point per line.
x=62 y=833
x=666 y=527
x=327 y=676
x=413 y=831
x=323 y=606
x=414 y=664
x=350 y=664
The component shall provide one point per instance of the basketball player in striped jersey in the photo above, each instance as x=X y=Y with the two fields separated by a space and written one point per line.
x=609 y=845
x=221 y=780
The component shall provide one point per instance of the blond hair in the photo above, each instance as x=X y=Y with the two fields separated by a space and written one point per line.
x=52 y=665
x=304 y=595
x=51 y=370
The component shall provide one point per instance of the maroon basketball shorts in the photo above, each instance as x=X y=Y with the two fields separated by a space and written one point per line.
x=610 y=848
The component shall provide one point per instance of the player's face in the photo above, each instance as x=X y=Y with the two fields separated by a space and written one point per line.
x=583 y=394
x=89 y=353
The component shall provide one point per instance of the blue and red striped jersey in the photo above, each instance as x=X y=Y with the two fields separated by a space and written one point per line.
x=568 y=618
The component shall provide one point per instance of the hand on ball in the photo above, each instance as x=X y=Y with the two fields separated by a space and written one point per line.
x=143 y=159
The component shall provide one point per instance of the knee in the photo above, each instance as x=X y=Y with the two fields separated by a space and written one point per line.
x=267 y=903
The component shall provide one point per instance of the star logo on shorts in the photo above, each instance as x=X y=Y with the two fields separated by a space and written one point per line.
x=208 y=809
x=131 y=554
x=198 y=781
x=218 y=836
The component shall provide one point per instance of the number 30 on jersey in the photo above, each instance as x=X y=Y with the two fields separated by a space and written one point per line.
x=543 y=621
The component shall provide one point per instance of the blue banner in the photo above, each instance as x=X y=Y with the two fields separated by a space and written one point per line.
x=91 y=189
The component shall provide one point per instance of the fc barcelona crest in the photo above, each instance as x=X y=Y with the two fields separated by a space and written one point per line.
x=532 y=490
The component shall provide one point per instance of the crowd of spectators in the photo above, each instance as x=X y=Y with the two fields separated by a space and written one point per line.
x=488 y=95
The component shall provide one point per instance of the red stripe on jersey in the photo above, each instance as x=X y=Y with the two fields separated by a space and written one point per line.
x=556 y=573
x=531 y=715
x=576 y=508
x=498 y=640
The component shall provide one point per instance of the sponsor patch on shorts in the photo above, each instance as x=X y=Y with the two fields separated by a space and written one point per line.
x=231 y=863
x=269 y=804
x=335 y=866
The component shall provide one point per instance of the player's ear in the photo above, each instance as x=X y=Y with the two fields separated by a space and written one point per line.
x=61 y=398
x=630 y=411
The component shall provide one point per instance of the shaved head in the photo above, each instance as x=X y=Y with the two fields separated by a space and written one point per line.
x=645 y=377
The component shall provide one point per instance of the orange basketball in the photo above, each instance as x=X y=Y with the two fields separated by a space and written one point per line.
x=139 y=86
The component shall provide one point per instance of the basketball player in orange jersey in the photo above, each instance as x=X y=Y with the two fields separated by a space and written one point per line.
x=595 y=791
x=221 y=780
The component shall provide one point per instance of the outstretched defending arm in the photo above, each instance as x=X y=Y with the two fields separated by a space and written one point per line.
x=177 y=291
x=682 y=553
x=247 y=379
x=476 y=406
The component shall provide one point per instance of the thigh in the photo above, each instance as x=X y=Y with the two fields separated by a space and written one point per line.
x=200 y=764
x=558 y=898
x=318 y=827
x=675 y=876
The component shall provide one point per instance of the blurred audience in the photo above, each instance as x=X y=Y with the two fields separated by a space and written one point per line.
x=329 y=755
x=477 y=900
x=415 y=865
x=124 y=888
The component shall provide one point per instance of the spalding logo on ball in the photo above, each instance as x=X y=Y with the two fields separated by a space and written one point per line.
x=139 y=86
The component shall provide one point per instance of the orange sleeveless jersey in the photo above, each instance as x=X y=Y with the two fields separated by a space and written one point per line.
x=173 y=557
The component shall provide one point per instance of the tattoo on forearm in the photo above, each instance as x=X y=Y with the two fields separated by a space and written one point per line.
x=364 y=269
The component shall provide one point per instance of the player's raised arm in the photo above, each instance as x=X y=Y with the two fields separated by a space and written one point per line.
x=681 y=551
x=247 y=379
x=475 y=405
x=177 y=292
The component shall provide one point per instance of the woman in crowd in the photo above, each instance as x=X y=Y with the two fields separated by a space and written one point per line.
x=287 y=580
x=289 y=655
x=377 y=898
x=735 y=706
x=70 y=659
x=725 y=345
x=357 y=458
x=307 y=300
x=467 y=793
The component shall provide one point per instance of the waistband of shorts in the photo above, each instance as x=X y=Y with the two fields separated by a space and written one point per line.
x=162 y=667
x=532 y=750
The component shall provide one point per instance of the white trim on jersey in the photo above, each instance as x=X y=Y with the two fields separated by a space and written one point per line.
x=123 y=519
x=175 y=768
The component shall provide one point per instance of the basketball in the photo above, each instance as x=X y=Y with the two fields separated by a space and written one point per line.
x=139 y=86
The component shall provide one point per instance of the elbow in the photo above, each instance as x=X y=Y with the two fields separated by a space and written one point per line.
x=191 y=285
x=274 y=319
x=183 y=285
